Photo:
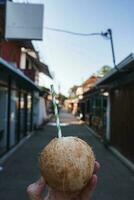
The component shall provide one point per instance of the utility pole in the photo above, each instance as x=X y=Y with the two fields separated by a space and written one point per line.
x=112 y=46
x=108 y=35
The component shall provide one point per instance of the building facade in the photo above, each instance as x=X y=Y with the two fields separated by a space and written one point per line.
x=108 y=108
x=19 y=91
x=16 y=106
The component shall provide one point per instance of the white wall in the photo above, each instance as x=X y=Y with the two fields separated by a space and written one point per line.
x=40 y=113
x=23 y=60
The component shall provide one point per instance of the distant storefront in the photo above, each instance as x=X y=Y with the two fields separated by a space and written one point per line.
x=16 y=106
x=93 y=107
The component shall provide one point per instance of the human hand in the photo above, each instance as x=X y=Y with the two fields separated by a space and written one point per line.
x=36 y=189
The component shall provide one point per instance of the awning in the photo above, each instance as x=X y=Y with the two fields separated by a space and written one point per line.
x=122 y=75
x=41 y=66
x=17 y=75
x=125 y=67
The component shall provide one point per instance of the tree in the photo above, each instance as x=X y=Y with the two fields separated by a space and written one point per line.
x=62 y=98
x=103 y=70
x=72 y=91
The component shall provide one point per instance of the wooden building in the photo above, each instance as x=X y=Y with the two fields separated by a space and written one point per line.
x=109 y=106
x=119 y=84
x=84 y=100
x=93 y=108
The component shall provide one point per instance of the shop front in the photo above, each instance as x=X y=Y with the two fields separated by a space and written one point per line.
x=94 y=107
x=16 y=106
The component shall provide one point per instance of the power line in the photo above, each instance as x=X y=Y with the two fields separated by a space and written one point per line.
x=63 y=31
x=106 y=35
x=71 y=32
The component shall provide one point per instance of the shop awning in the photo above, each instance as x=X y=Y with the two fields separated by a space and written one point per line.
x=18 y=75
x=41 y=66
x=124 y=70
x=122 y=75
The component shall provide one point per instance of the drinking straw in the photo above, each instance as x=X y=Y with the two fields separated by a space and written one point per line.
x=56 y=111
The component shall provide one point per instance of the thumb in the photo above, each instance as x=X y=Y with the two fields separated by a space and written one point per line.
x=89 y=189
x=35 y=189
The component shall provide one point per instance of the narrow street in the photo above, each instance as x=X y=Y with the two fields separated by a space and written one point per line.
x=115 y=181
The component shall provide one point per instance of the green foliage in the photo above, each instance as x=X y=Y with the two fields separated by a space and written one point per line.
x=72 y=92
x=103 y=70
x=62 y=98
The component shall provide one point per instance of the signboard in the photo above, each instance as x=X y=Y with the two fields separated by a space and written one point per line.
x=24 y=21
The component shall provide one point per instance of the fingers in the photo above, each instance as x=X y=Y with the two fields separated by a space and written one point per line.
x=35 y=190
x=87 y=192
x=96 y=167
x=93 y=183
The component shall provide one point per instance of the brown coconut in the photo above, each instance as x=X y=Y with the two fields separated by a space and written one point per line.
x=67 y=164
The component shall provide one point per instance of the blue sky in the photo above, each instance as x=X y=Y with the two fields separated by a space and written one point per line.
x=74 y=58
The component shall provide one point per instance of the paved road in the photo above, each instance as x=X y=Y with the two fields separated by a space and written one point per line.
x=115 y=182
